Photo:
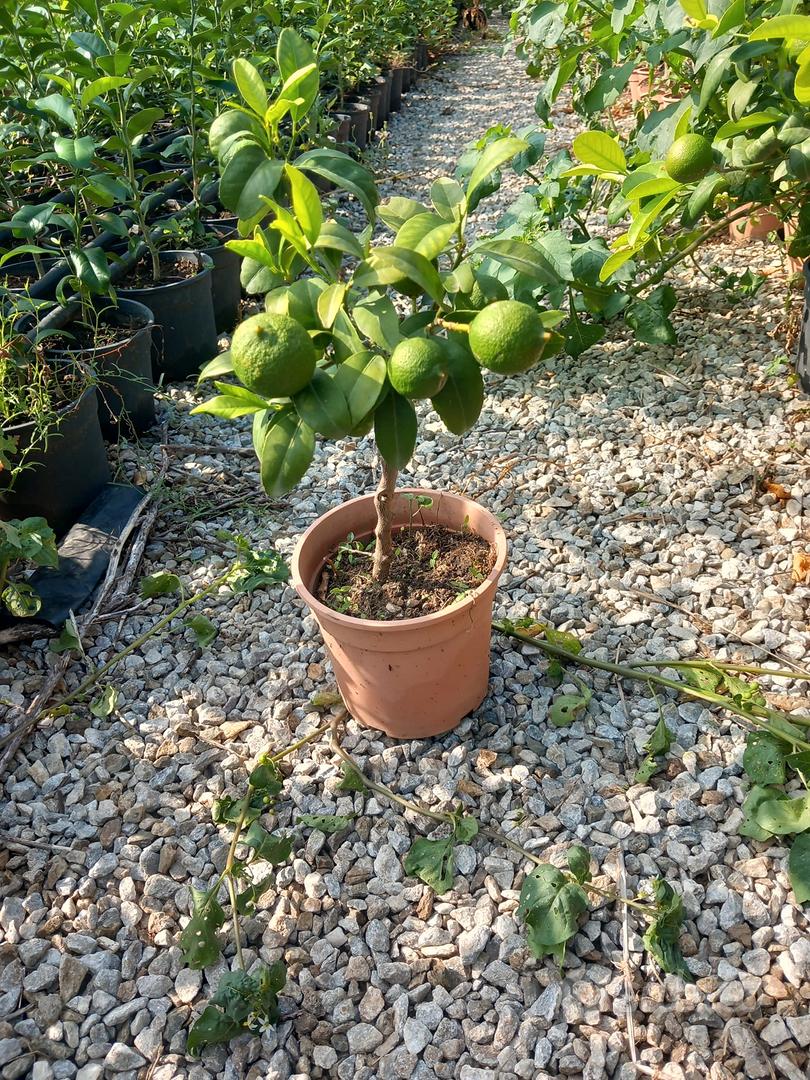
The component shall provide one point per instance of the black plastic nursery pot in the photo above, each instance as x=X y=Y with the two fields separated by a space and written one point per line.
x=63 y=473
x=21 y=275
x=184 y=312
x=360 y=122
x=383 y=83
x=126 y=393
x=803 y=348
x=226 y=288
x=397 y=76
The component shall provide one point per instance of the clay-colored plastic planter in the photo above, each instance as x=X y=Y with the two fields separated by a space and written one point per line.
x=758 y=226
x=410 y=678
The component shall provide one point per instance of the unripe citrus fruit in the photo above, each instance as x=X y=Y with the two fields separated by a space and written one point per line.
x=272 y=355
x=507 y=337
x=689 y=159
x=416 y=367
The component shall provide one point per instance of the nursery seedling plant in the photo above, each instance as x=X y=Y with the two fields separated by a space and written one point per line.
x=333 y=355
x=27 y=541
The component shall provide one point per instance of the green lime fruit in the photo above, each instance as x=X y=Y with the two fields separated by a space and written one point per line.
x=689 y=159
x=272 y=355
x=416 y=367
x=508 y=337
x=460 y=400
x=486 y=290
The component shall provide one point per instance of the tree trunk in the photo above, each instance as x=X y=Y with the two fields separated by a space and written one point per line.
x=384 y=544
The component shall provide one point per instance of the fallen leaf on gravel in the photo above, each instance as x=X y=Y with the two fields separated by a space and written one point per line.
x=485 y=760
x=779 y=491
x=801 y=566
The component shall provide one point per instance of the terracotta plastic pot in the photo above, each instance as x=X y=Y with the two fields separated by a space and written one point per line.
x=795 y=264
x=410 y=678
x=758 y=226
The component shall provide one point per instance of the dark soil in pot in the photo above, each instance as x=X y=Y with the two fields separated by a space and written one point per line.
x=183 y=307
x=432 y=568
x=19 y=275
x=119 y=350
x=64 y=474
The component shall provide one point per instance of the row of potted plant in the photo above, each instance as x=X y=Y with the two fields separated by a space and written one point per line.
x=138 y=302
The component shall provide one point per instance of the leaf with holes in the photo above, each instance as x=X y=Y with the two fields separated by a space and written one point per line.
x=199 y=940
x=566 y=708
x=550 y=905
x=325 y=823
x=764 y=759
x=160 y=584
x=432 y=862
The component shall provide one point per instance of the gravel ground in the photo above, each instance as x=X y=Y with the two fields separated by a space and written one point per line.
x=633 y=470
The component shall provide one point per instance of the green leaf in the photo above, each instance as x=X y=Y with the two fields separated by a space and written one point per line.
x=755 y=797
x=741 y=692
x=204 y=630
x=563 y=639
x=306 y=203
x=161 y=583
x=579 y=862
x=800 y=762
x=550 y=905
x=460 y=400
x=323 y=406
x=432 y=862
x=648 y=318
x=492 y=157
x=330 y=302
x=785 y=27
x=448 y=199
x=101 y=86
x=106 y=703
x=464 y=829
x=247 y=180
x=703 y=678
x=377 y=319
x=361 y=378
x=77 y=153
x=220 y=365
x=68 y=640
x=294 y=55
x=199 y=940
x=397 y=210
x=395 y=429
x=336 y=237
x=799 y=868
x=783 y=816
x=600 y=150
x=663 y=933
x=344 y=173
x=325 y=823
x=352 y=779
x=211 y=1027
x=566 y=708
x=648 y=768
x=266 y=778
x=21 y=599
x=661 y=740
x=695 y=9
x=764 y=759
x=229 y=406
x=247 y=899
x=390 y=265
x=266 y=846
x=286 y=452
x=581 y=336
x=143 y=121
x=250 y=85
x=59 y=106
x=528 y=259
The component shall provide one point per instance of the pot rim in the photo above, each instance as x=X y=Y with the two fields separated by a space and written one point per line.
x=63 y=411
x=204 y=263
x=100 y=351
x=394 y=625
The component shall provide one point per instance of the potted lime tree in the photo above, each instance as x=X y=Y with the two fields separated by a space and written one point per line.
x=401 y=581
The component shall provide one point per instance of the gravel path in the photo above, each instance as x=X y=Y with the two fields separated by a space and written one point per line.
x=633 y=470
